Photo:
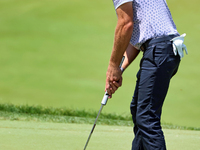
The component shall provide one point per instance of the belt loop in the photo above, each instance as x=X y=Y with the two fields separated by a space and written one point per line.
x=142 y=47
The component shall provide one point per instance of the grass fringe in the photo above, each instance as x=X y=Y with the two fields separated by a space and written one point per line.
x=59 y=111
x=65 y=115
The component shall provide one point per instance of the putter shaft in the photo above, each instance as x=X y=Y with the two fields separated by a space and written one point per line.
x=103 y=102
x=93 y=126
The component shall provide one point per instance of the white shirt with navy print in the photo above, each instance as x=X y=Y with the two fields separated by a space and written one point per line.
x=152 y=18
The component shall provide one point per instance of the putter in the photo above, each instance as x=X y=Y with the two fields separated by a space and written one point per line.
x=103 y=102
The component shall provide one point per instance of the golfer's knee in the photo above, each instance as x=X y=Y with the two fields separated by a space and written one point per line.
x=141 y=121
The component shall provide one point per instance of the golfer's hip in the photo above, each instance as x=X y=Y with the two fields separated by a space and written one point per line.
x=154 y=41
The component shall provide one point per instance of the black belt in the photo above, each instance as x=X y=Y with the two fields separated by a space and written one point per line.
x=156 y=40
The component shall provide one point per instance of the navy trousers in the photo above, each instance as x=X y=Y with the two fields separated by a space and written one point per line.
x=157 y=67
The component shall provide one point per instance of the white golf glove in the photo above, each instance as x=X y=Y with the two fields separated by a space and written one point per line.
x=178 y=46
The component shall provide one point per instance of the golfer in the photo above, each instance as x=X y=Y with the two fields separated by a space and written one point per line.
x=145 y=26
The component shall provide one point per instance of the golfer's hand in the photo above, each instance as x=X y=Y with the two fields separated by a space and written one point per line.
x=113 y=79
x=115 y=85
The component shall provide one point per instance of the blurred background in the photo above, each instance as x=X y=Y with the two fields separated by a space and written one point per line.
x=55 y=53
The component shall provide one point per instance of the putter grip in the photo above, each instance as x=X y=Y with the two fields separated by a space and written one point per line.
x=105 y=97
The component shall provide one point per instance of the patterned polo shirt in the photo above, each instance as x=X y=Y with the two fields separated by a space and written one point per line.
x=152 y=18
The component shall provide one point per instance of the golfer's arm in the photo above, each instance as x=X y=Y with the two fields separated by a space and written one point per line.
x=123 y=33
x=130 y=54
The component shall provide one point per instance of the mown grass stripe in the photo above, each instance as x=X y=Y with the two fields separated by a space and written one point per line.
x=60 y=119
x=64 y=115
x=59 y=111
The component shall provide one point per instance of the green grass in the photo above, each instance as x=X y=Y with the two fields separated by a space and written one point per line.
x=64 y=115
x=23 y=135
x=55 y=54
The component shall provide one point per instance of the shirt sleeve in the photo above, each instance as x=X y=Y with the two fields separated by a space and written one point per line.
x=118 y=3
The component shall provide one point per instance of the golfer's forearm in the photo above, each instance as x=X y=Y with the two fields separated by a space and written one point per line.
x=122 y=38
x=130 y=54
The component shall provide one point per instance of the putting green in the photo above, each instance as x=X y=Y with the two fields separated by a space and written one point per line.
x=55 y=54
x=23 y=135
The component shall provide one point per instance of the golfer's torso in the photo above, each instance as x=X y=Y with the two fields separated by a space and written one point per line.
x=152 y=18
